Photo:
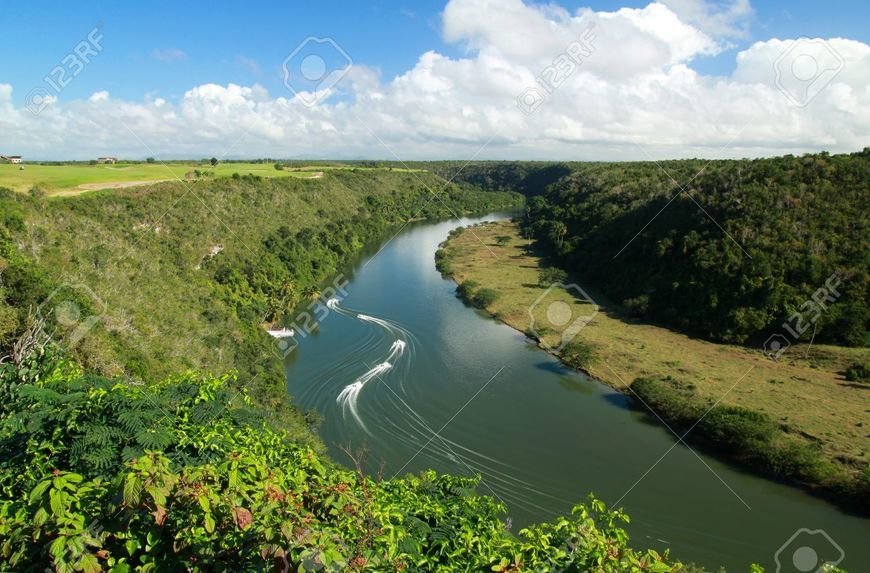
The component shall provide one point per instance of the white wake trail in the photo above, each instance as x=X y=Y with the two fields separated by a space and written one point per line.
x=396 y=350
x=348 y=396
x=378 y=321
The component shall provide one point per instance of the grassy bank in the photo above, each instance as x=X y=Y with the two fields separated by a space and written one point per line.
x=825 y=444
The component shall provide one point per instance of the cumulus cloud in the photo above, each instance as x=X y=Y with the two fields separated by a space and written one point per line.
x=728 y=19
x=628 y=93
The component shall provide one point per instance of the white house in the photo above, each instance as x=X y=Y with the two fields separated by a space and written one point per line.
x=107 y=159
x=11 y=158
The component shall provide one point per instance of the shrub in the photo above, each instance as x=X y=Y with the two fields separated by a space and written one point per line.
x=466 y=290
x=858 y=372
x=485 y=297
x=637 y=306
x=442 y=262
x=579 y=354
x=551 y=275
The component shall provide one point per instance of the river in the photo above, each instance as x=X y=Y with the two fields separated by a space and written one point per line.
x=462 y=393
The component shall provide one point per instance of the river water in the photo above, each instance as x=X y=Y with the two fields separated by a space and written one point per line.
x=404 y=368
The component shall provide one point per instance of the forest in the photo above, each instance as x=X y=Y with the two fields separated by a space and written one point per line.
x=727 y=250
x=121 y=453
x=118 y=467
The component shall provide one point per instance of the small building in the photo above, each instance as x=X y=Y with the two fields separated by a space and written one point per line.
x=107 y=159
x=11 y=158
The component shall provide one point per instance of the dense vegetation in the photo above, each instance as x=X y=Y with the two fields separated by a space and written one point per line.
x=101 y=474
x=737 y=252
x=182 y=276
x=108 y=461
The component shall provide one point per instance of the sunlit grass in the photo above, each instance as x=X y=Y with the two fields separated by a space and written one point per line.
x=82 y=178
x=804 y=390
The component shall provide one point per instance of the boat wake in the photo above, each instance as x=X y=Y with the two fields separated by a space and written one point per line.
x=349 y=396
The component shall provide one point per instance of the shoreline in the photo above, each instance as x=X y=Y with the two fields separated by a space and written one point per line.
x=841 y=484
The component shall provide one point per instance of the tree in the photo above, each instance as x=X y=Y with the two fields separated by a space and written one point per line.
x=551 y=275
x=214 y=161
x=311 y=293
x=150 y=160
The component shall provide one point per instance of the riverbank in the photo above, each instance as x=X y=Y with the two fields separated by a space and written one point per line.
x=825 y=445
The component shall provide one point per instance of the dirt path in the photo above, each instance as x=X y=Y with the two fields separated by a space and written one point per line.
x=118 y=184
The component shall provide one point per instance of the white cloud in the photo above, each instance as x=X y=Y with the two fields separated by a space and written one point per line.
x=249 y=64
x=727 y=19
x=634 y=97
x=169 y=55
x=99 y=96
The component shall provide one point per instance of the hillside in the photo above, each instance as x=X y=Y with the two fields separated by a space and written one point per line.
x=184 y=275
x=726 y=250
x=114 y=456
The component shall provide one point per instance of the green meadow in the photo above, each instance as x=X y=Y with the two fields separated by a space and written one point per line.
x=73 y=179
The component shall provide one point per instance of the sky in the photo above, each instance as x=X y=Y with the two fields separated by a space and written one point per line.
x=458 y=79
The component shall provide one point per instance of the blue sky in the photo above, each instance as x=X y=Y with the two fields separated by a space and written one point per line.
x=677 y=78
x=245 y=44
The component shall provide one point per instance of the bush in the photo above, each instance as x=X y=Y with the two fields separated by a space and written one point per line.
x=738 y=430
x=466 y=290
x=637 y=306
x=858 y=372
x=485 y=297
x=550 y=275
x=579 y=354
x=442 y=262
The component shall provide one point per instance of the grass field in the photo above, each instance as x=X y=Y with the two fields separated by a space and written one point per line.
x=76 y=179
x=803 y=390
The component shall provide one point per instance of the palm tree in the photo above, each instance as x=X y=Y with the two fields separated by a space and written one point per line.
x=311 y=293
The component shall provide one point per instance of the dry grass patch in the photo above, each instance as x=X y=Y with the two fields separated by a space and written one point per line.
x=804 y=391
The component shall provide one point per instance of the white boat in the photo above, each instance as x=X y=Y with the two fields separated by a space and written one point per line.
x=281 y=332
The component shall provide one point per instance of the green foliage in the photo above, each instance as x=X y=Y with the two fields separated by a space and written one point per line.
x=551 y=275
x=191 y=286
x=770 y=234
x=442 y=262
x=484 y=297
x=211 y=484
x=579 y=354
x=858 y=372
x=477 y=297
